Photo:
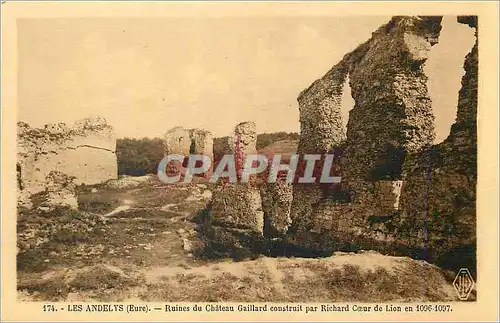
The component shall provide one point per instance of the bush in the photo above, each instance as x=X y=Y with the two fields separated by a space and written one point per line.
x=266 y=139
x=139 y=157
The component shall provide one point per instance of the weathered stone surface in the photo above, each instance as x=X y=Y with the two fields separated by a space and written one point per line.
x=245 y=135
x=330 y=226
x=386 y=196
x=392 y=116
x=402 y=190
x=187 y=142
x=320 y=113
x=241 y=212
x=305 y=198
x=177 y=141
x=85 y=152
x=125 y=181
x=235 y=225
x=238 y=206
x=91 y=123
x=276 y=203
x=405 y=195
x=24 y=201
x=240 y=143
x=399 y=193
x=59 y=192
x=202 y=142
x=438 y=199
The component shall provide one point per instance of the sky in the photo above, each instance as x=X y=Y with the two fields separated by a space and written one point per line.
x=147 y=75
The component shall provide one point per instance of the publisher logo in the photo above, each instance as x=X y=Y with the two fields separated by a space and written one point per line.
x=463 y=284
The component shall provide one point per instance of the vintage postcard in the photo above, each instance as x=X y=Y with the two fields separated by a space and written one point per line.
x=236 y=161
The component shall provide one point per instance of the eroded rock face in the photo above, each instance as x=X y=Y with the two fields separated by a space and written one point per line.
x=85 y=152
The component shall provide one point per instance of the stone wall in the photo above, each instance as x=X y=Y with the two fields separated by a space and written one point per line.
x=276 y=204
x=59 y=192
x=392 y=116
x=244 y=135
x=238 y=206
x=185 y=142
x=320 y=114
x=438 y=199
x=85 y=152
x=202 y=142
x=235 y=223
x=245 y=217
x=177 y=141
x=399 y=193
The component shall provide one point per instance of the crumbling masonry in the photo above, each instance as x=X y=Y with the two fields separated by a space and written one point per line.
x=403 y=194
x=399 y=193
x=184 y=142
x=236 y=217
x=438 y=200
x=188 y=141
x=244 y=216
x=392 y=116
x=85 y=153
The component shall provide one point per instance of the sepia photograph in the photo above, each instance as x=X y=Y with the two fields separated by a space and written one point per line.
x=251 y=163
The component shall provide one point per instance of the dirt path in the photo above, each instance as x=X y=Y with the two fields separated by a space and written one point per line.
x=127 y=204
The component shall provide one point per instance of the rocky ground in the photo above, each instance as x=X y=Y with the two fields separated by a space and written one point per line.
x=135 y=239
